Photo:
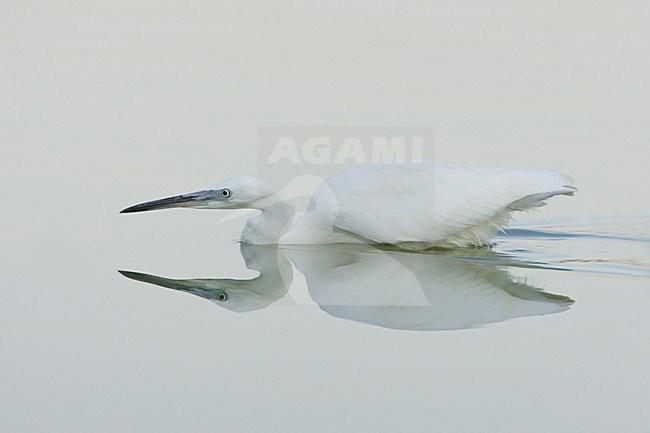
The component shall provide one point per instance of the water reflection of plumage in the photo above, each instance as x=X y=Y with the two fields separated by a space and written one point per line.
x=392 y=289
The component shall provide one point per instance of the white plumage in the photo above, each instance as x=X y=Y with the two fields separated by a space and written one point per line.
x=392 y=289
x=420 y=205
x=412 y=205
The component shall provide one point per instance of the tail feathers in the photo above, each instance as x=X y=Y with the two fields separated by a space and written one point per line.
x=536 y=200
x=549 y=184
x=538 y=186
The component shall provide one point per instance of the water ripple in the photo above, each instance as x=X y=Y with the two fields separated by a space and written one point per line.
x=613 y=247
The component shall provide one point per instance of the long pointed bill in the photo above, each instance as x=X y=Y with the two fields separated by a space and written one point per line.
x=194 y=199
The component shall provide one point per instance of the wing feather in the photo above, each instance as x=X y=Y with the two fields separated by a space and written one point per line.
x=431 y=202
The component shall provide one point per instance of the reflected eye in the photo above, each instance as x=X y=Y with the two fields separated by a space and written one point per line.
x=225 y=193
x=223 y=297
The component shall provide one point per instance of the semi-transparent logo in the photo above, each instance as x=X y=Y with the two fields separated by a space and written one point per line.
x=305 y=155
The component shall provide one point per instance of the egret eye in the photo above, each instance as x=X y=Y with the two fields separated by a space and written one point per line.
x=225 y=193
x=223 y=297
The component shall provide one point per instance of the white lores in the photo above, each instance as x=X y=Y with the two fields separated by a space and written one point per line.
x=415 y=206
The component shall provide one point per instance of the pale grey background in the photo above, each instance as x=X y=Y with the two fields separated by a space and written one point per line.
x=106 y=104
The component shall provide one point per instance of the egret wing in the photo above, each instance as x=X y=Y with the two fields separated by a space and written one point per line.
x=432 y=202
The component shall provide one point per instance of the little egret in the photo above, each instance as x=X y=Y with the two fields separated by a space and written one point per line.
x=414 y=205
x=388 y=288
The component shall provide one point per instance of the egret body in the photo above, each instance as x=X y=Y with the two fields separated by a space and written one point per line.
x=416 y=205
x=381 y=286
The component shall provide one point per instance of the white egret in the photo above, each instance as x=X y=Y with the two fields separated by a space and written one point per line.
x=415 y=206
x=241 y=296
x=391 y=289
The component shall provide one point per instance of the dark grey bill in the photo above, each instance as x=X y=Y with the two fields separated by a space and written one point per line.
x=186 y=200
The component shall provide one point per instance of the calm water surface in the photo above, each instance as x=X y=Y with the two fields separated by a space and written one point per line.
x=107 y=104
x=548 y=331
x=329 y=338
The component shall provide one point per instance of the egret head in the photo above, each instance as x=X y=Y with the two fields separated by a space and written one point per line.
x=239 y=296
x=241 y=192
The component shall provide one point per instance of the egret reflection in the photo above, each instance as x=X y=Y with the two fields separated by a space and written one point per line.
x=441 y=290
x=276 y=275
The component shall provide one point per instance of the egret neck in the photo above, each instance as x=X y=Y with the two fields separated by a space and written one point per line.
x=277 y=215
